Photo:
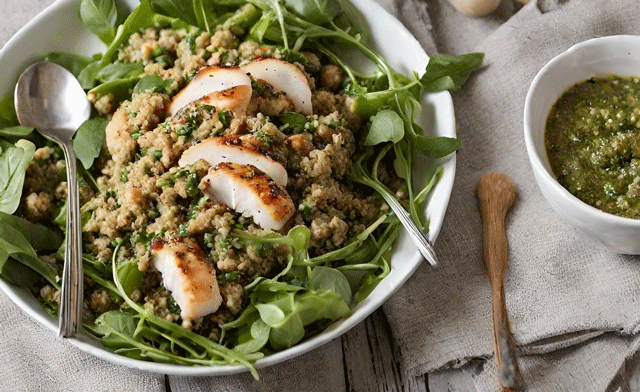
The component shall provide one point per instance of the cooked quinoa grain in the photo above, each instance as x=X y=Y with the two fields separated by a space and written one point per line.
x=145 y=197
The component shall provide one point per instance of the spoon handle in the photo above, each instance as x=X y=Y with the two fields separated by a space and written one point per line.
x=72 y=277
x=496 y=193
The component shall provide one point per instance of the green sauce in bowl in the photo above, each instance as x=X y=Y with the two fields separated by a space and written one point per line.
x=592 y=138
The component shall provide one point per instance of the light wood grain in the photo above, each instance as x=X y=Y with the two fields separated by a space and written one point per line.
x=497 y=193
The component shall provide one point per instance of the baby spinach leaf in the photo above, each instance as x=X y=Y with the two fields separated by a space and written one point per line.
x=386 y=126
x=13 y=272
x=304 y=309
x=13 y=165
x=88 y=76
x=40 y=237
x=449 y=72
x=72 y=62
x=120 y=88
x=100 y=17
x=271 y=314
x=153 y=84
x=259 y=333
x=117 y=71
x=436 y=146
x=8 y=116
x=315 y=11
x=16 y=131
x=88 y=140
x=199 y=13
x=130 y=276
x=325 y=278
x=141 y=17
x=17 y=246
x=181 y=9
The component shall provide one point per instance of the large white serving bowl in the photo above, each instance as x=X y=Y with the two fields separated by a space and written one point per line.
x=58 y=28
x=596 y=57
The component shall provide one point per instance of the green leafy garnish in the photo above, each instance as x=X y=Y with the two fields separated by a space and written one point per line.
x=100 y=17
x=88 y=140
x=13 y=165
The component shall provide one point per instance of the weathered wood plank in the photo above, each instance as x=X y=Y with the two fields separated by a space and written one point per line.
x=451 y=380
x=320 y=370
x=370 y=364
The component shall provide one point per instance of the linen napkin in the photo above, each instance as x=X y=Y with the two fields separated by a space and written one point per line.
x=561 y=289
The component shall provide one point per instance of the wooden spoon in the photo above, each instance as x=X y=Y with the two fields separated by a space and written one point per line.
x=496 y=193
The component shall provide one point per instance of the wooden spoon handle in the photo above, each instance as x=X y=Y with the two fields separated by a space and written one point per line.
x=496 y=193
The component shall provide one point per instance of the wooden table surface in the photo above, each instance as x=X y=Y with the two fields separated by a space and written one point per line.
x=366 y=358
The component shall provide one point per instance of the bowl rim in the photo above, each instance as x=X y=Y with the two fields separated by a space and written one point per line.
x=537 y=160
x=398 y=276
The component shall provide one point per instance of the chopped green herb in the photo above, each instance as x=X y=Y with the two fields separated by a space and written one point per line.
x=183 y=230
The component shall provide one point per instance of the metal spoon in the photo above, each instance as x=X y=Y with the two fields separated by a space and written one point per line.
x=420 y=240
x=49 y=98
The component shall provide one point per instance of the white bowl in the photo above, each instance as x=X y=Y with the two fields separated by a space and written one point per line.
x=59 y=28
x=596 y=57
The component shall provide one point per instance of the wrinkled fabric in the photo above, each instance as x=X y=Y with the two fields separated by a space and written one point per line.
x=567 y=297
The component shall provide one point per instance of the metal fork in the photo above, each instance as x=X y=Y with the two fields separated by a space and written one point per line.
x=422 y=242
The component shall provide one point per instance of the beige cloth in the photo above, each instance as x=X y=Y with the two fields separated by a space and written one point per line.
x=574 y=306
x=560 y=288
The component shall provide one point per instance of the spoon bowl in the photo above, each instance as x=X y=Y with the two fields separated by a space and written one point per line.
x=50 y=99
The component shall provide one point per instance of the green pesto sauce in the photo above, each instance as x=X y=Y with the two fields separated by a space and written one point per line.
x=592 y=139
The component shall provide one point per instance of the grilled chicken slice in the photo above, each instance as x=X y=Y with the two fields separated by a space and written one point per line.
x=248 y=190
x=213 y=80
x=236 y=99
x=189 y=276
x=284 y=77
x=234 y=149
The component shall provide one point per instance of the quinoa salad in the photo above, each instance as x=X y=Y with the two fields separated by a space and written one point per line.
x=233 y=178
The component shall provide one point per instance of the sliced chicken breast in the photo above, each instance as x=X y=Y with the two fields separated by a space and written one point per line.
x=248 y=190
x=210 y=80
x=236 y=99
x=234 y=149
x=189 y=275
x=284 y=77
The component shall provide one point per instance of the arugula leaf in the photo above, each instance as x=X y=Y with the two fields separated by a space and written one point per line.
x=449 y=72
x=74 y=63
x=386 y=126
x=153 y=84
x=13 y=166
x=88 y=140
x=100 y=17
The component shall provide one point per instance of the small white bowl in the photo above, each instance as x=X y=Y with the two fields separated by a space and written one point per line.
x=596 y=57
